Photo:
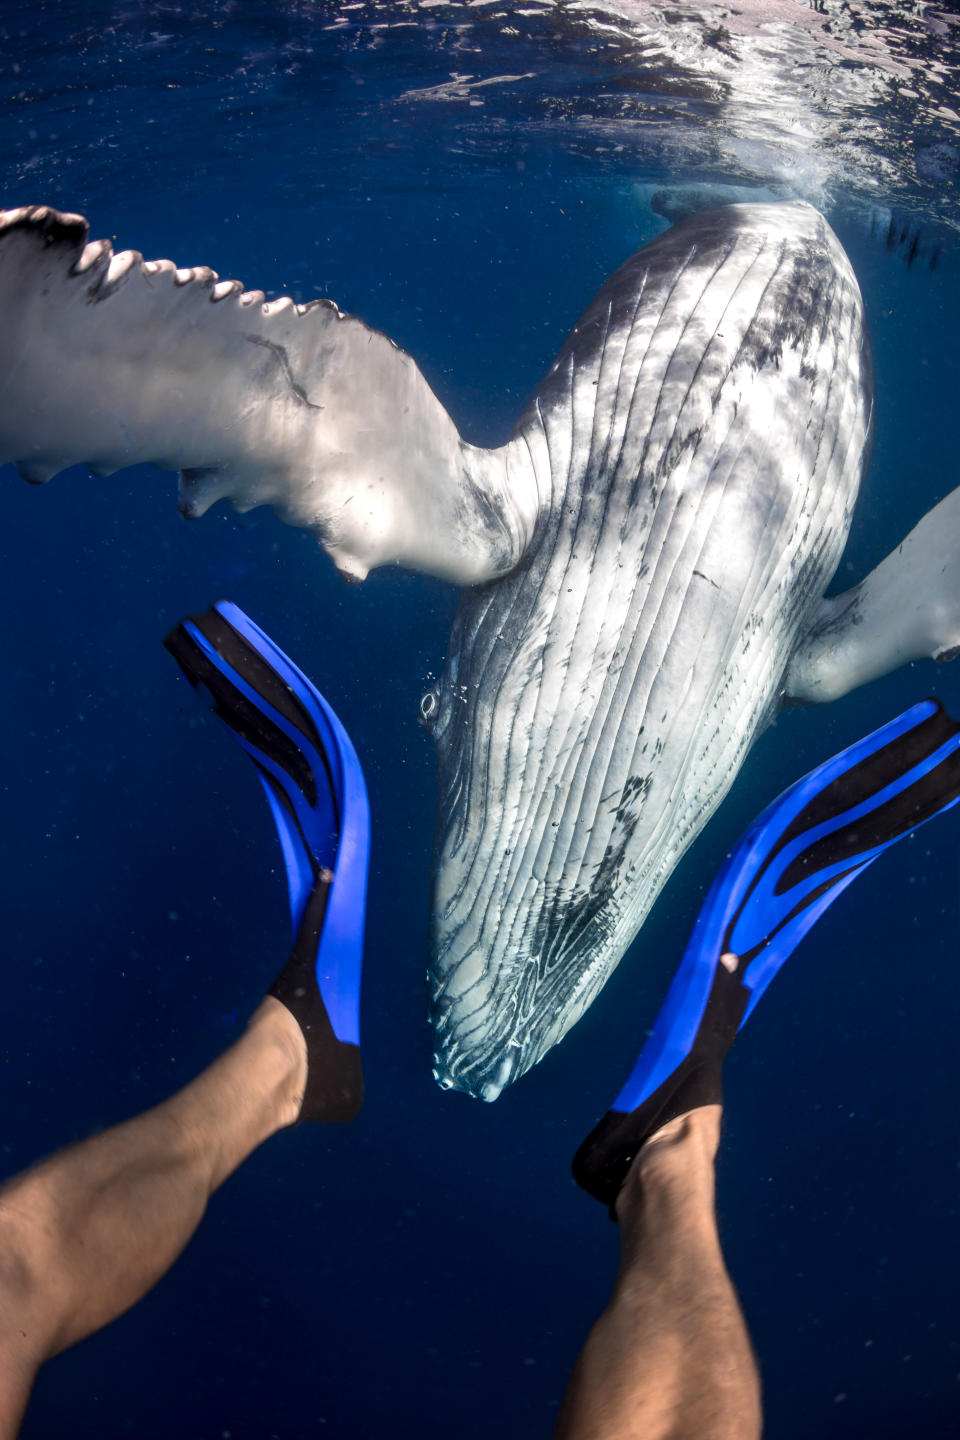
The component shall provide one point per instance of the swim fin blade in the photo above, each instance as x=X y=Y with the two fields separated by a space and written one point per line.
x=317 y=797
x=792 y=862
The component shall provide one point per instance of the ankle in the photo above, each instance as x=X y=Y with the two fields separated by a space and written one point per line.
x=275 y=1029
x=687 y=1140
x=675 y=1165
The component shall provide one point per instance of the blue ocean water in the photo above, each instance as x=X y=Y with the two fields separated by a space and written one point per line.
x=463 y=177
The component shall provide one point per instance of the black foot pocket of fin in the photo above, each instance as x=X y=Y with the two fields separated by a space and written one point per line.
x=334 y=1088
x=600 y=1165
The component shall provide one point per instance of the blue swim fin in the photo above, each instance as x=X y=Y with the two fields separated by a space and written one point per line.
x=792 y=862
x=317 y=796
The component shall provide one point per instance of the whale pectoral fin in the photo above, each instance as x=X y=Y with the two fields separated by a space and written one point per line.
x=112 y=360
x=908 y=608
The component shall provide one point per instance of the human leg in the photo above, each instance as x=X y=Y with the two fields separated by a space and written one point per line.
x=670 y=1356
x=85 y=1233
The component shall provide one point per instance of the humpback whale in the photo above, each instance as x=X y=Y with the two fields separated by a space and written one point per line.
x=644 y=561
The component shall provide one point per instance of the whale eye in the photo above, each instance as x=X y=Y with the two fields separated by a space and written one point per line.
x=430 y=707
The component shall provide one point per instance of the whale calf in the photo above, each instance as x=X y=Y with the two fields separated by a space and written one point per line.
x=644 y=561
x=701 y=438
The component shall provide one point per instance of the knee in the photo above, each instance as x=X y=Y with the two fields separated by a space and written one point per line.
x=23 y=1345
x=27 y=1292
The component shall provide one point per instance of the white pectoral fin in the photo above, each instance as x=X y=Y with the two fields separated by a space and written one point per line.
x=908 y=608
x=111 y=360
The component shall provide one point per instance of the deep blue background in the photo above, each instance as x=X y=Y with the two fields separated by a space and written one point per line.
x=432 y=1269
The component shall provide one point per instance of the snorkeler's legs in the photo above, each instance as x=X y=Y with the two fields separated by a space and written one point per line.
x=669 y=1358
x=87 y=1232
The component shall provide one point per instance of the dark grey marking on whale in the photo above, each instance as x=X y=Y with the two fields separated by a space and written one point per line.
x=283 y=360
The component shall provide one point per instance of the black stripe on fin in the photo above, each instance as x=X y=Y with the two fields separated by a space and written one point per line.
x=238 y=712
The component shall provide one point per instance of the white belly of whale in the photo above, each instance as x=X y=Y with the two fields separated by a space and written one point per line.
x=702 y=438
